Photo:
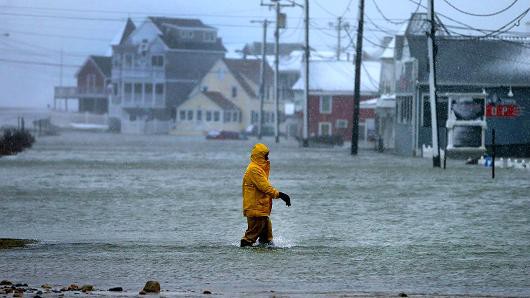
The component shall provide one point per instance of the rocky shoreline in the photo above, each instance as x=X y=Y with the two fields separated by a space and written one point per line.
x=6 y=243
x=11 y=289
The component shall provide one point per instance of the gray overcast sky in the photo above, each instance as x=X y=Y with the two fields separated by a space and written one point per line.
x=39 y=29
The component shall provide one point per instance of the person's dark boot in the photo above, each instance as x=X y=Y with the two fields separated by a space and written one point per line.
x=245 y=243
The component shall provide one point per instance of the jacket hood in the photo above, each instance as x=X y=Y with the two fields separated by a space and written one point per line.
x=258 y=154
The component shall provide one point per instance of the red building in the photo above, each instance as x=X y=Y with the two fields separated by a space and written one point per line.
x=330 y=106
x=333 y=115
x=92 y=83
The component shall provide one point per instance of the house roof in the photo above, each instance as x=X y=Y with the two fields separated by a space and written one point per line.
x=162 y=22
x=250 y=69
x=170 y=38
x=466 y=61
x=338 y=76
x=285 y=48
x=104 y=63
x=220 y=100
x=419 y=24
x=176 y=43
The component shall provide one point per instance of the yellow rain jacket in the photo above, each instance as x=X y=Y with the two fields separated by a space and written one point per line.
x=257 y=190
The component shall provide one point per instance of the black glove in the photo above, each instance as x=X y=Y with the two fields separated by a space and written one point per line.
x=285 y=198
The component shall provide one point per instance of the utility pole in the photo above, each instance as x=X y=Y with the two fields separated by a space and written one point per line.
x=432 y=86
x=305 y=141
x=357 y=87
x=262 y=76
x=277 y=75
x=280 y=23
x=339 y=26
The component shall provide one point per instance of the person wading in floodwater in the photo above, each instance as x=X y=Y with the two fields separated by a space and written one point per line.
x=257 y=198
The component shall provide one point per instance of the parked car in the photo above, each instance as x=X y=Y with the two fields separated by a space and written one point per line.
x=224 y=135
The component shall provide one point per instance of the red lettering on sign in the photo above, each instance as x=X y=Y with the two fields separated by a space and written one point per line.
x=502 y=110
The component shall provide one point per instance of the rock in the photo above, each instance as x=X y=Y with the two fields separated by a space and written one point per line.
x=18 y=294
x=73 y=287
x=37 y=296
x=6 y=243
x=86 y=288
x=39 y=293
x=116 y=289
x=402 y=294
x=152 y=286
x=46 y=286
x=206 y=292
x=21 y=285
x=142 y=292
x=64 y=289
x=5 y=283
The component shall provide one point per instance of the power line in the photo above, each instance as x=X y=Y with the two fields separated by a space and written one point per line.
x=347 y=9
x=481 y=15
x=469 y=27
x=38 y=63
x=56 y=35
x=128 y=12
x=325 y=9
x=385 y=17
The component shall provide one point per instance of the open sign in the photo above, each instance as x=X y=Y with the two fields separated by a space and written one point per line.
x=502 y=110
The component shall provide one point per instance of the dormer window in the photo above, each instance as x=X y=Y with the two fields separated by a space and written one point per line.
x=186 y=34
x=209 y=36
x=157 y=61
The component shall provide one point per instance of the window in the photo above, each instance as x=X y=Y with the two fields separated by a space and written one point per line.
x=209 y=36
x=137 y=91
x=157 y=60
x=186 y=34
x=199 y=115
x=235 y=116
x=324 y=128
x=341 y=123
x=128 y=60
x=404 y=109
x=190 y=115
x=159 y=89
x=441 y=111
x=127 y=90
x=115 y=90
x=91 y=82
x=205 y=88
x=234 y=91
x=208 y=116
x=227 y=115
x=182 y=115
x=148 y=89
x=216 y=116
x=266 y=117
x=254 y=116
x=220 y=74
x=116 y=60
x=325 y=104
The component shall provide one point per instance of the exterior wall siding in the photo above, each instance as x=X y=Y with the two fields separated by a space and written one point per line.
x=342 y=108
x=512 y=133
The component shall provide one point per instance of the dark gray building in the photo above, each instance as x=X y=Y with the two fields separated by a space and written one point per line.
x=496 y=68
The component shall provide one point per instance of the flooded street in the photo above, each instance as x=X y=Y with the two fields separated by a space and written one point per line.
x=118 y=210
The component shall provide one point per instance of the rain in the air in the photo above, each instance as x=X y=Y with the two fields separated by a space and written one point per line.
x=264 y=148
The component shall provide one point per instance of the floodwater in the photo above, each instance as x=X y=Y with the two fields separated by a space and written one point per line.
x=114 y=210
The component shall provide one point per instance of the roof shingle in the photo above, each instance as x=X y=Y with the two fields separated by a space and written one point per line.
x=220 y=100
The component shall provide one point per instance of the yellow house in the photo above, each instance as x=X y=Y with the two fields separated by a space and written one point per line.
x=206 y=111
x=238 y=81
